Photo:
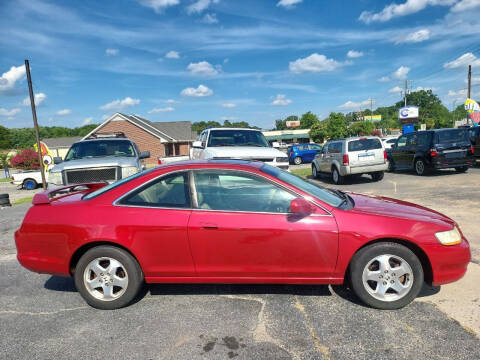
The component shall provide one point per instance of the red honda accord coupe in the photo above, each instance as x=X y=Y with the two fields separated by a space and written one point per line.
x=236 y=222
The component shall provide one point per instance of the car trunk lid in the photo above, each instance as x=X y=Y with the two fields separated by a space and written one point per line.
x=365 y=151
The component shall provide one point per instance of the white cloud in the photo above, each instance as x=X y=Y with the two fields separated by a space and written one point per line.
x=465 y=5
x=120 y=104
x=165 y=109
x=384 y=79
x=313 y=63
x=6 y=112
x=396 y=10
x=229 y=105
x=170 y=101
x=458 y=95
x=39 y=98
x=202 y=68
x=210 y=19
x=64 y=112
x=159 y=5
x=420 y=88
x=355 y=105
x=464 y=60
x=415 y=37
x=281 y=100
x=288 y=4
x=87 y=121
x=172 y=55
x=112 y=52
x=229 y=118
x=395 y=90
x=105 y=117
x=200 y=5
x=200 y=91
x=354 y=54
x=401 y=73
x=9 y=78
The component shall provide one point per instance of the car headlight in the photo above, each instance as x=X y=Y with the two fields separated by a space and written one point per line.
x=450 y=237
x=281 y=159
x=129 y=170
x=55 y=178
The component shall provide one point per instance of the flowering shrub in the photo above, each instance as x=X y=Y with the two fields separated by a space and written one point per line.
x=27 y=159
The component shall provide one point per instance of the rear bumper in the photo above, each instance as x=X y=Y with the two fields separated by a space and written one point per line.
x=347 y=170
x=449 y=263
x=444 y=163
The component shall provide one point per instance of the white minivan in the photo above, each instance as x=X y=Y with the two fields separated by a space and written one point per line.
x=237 y=143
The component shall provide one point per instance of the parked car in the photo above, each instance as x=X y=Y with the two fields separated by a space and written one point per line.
x=428 y=150
x=29 y=179
x=212 y=222
x=302 y=153
x=474 y=133
x=102 y=159
x=244 y=144
x=389 y=141
x=351 y=156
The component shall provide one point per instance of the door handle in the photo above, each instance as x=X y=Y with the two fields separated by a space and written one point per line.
x=208 y=225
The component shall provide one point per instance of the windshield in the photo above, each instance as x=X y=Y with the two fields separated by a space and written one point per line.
x=236 y=138
x=364 y=144
x=99 y=148
x=452 y=136
x=328 y=196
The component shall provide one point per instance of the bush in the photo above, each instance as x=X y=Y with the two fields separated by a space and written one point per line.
x=27 y=159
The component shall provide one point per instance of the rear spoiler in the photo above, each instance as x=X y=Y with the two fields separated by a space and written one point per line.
x=46 y=196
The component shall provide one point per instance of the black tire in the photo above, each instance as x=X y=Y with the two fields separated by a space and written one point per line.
x=391 y=165
x=131 y=267
x=461 y=169
x=297 y=160
x=5 y=202
x=420 y=167
x=377 y=176
x=336 y=177
x=4 y=196
x=366 y=255
x=315 y=173
x=29 y=184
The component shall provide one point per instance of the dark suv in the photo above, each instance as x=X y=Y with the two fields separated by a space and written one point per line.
x=475 y=139
x=432 y=149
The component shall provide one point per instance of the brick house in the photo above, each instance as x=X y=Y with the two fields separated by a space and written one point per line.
x=160 y=138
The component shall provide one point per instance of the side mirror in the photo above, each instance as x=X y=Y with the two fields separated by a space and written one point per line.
x=197 y=144
x=275 y=144
x=57 y=160
x=300 y=206
x=144 y=155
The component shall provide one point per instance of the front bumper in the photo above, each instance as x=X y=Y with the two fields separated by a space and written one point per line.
x=449 y=263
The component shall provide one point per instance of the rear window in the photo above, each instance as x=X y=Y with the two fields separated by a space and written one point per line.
x=364 y=144
x=452 y=136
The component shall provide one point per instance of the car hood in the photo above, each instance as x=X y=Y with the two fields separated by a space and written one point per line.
x=380 y=205
x=244 y=152
x=95 y=162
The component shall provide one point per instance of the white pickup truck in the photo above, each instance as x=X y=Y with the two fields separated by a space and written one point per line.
x=29 y=179
x=237 y=143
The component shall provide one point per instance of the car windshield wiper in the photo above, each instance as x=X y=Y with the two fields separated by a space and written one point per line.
x=252 y=144
x=222 y=144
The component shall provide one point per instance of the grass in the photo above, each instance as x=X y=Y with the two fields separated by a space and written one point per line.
x=5 y=180
x=22 y=200
x=302 y=172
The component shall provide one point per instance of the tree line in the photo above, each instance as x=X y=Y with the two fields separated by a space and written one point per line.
x=199 y=126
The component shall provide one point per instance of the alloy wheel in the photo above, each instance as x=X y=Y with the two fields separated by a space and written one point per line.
x=419 y=167
x=105 y=278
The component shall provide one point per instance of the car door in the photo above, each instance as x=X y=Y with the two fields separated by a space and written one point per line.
x=323 y=159
x=410 y=149
x=398 y=151
x=241 y=228
x=155 y=219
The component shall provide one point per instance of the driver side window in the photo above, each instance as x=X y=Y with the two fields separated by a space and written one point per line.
x=402 y=141
x=234 y=191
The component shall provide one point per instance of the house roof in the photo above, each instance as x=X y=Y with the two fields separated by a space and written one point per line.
x=61 y=142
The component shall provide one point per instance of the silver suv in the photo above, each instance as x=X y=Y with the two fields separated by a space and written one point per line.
x=351 y=156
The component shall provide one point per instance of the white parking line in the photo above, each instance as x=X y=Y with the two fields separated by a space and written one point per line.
x=8 y=257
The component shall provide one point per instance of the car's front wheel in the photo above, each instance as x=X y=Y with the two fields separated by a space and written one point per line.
x=386 y=275
x=108 y=277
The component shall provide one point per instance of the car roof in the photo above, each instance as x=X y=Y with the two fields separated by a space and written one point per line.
x=210 y=163
x=234 y=129
x=104 y=139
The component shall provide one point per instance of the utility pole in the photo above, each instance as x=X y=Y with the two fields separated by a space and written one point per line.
x=372 y=101
x=35 y=124
x=469 y=79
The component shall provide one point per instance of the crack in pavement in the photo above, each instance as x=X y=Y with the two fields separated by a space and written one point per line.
x=16 y=312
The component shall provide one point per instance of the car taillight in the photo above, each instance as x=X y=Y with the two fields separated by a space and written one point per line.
x=291 y=153
x=433 y=152
x=346 y=160
x=159 y=161
x=471 y=149
x=384 y=155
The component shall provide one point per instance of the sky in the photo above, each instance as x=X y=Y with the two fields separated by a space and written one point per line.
x=241 y=60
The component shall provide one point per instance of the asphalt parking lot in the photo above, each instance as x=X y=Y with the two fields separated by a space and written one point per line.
x=43 y=317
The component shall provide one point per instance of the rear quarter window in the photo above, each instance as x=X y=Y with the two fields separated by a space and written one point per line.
x=364 y=144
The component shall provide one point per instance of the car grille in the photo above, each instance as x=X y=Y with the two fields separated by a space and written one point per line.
x=90 y=175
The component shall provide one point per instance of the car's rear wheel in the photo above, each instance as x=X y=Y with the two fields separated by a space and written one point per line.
x=377 y=176
x=108 y=277
x=297 y=160
x=461 y=169
x=386 y=275
x=314 y=171
x=420 y=167
x=29 y=184
x=336 y=177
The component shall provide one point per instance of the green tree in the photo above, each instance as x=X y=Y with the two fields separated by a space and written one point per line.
x=308 y=120
x=336 y=126
x=318 y=132
x=360 y=128
x=5 y=138
x=280 y=124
